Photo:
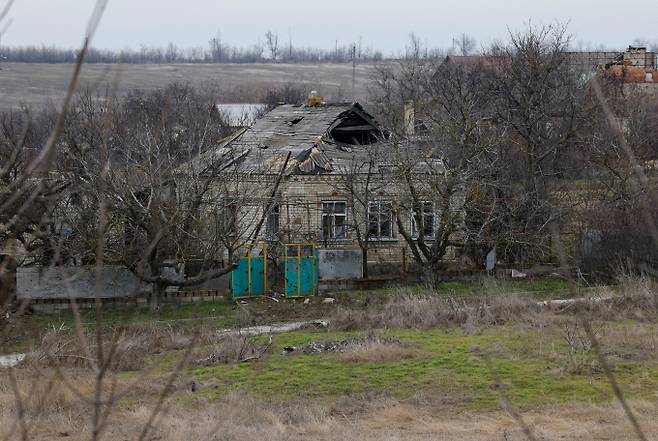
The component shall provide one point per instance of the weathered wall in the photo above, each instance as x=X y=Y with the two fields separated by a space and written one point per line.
x=74 y=282
x=300 y=218
x=219 y=284
x=340 y=264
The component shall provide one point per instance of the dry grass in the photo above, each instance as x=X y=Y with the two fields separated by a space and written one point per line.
x=380 y=353
x=241 y=418
x=233 y=348
x=411 y=311
x=636 y=342
x=54 y=411
x=583 y=422
x=374 y=347
x=43 y=394
x=54 y=408
x=132 y=345
x=634 y=298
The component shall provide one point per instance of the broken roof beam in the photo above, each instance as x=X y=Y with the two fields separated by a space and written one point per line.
x=367 y=128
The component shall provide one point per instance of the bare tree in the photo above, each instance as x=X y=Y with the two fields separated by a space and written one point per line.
x=216 y=48
x=172 y=55
x=464 y=44
x=272 y=41
x=394 y=85
x=360 y=180
x=454 y=152
x=178 y=212
x=28 y=197
x=486 y=148
x=540 y=103
x=28 y=185
x=616 y=159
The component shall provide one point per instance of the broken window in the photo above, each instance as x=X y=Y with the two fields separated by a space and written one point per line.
x=380 y=220
x=228 y=216
x=272 y=227
x=295 y=121
x=427 y=218
x=334 y=220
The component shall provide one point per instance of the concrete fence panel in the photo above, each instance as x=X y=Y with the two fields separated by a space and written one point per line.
x=75 y=282
x=340 y=264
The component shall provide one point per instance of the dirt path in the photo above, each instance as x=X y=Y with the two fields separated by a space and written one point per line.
x=281 y=328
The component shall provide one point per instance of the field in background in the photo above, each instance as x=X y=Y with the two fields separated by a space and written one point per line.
x=37 y=84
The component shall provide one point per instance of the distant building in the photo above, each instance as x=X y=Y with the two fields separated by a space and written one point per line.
x=636 y=69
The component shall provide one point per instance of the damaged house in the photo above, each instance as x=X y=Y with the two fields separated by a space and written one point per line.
x=338 y=188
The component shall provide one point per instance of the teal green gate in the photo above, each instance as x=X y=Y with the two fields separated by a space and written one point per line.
x=249 y=279
x=301 y=272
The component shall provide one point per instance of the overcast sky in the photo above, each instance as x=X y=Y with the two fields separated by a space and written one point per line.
x=383 y=24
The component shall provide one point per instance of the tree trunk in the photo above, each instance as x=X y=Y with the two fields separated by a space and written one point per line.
x=156 y=294
x=434 y=271
x=7 y=281
x=364 y=263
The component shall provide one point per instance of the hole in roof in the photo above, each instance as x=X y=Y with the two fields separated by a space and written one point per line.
x=355 y=134
x=295 y=121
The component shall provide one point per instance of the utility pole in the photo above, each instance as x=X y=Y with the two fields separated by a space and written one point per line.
x=2 y=32
x=354 y=72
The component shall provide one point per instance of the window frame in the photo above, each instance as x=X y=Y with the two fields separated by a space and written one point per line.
x=414 y=227
x=228 y=216
x=273 y=219
x=332 y=215
x=379 y=238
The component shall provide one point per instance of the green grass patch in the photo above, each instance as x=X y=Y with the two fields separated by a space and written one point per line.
x=537 y=289
x=29 y=329
x=217 y=311
x=449 y=367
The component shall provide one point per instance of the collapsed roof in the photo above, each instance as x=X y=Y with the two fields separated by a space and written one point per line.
x=320 y=139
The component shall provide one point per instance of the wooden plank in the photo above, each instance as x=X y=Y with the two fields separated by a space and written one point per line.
x=363 y=128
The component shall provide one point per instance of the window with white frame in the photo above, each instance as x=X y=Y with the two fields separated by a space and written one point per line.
x=228 y=212
x=272 y=226
x=427 y=218
x=334 y=220
x=380 y=220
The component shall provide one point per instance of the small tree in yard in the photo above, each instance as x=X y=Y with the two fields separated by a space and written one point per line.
x=360 y=180
x=176 y=206
x=539 y=102
x=497 y=140
x=28 y=196
x=437 y=167
x=618 y=216
x=181 y=229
